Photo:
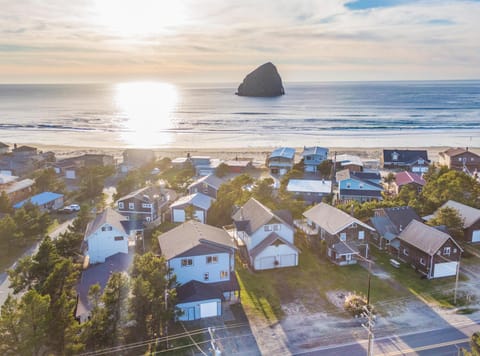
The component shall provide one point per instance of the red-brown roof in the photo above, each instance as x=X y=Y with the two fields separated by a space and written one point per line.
x=403 y=178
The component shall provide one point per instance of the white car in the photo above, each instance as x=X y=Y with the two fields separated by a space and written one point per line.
x=72 y=208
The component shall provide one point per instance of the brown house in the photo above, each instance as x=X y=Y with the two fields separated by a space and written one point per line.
x=430 y=251
x=346 y=237
x=460 y=158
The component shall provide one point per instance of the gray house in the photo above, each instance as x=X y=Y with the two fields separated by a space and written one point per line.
x=208 y=185
x=281 y=160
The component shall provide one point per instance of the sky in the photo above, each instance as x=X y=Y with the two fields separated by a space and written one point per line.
x=57 y=41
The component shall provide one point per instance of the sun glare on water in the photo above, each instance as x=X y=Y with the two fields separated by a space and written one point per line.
x=139 y=17
x=148 y=108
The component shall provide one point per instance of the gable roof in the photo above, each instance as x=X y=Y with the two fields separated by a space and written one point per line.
x=269 y=240
x=110 y=217
x=389 y=222
x=3 y=145
x=402 y=178
x=199 y=200
x=195 y=237
x=346 y=160
x=309 y=186
x=331 y=219
x=426 y=238
x=195 y=291
x=452 y=152
x=283 y=152
x=24 y=149
x=212 y=180
x=365 y=177
x=405 y=156
x=253 y=215
x=39 y=199
x=315 y=150
x=469 y=214
x=146 y=194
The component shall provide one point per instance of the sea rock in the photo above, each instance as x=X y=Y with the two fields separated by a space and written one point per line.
x=262 y=82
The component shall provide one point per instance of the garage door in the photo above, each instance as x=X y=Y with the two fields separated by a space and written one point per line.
x=288 y=260
x=178 y=215
x=476 y=236
x=445 y=269
x=208 y=309
x=266 y=262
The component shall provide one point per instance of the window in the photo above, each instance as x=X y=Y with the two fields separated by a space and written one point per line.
x=131 y=206
x=118 y=238
x=106 y=228
x=187 y=262
x=343 y=236
x=148 y=218
x=446 y=251
x=459 y=159
x=360 y=185
x=454 y=250
x=405 y=252
x=348 y=185
x=361 y=235
x=223 y=274
x=206 y=276
x=267 y=228
x=276 y=227
x=144 y=205
x=212 y=259
x=120 y=205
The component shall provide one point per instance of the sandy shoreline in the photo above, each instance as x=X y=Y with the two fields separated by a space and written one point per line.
x=256 y=153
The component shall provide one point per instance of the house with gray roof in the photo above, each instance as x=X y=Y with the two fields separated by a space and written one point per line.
x=281 y=160
x=208 y=185
x=145 y=204
x=202 y=258
x=108 y=234
x=389 y=222
x=199 y=201
x=471 y=220
x=313 y=157
x=346 y=237
x=413 y=160
x=429 y=250
x=267 y=236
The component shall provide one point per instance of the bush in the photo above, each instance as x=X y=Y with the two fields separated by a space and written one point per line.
x=355 y=303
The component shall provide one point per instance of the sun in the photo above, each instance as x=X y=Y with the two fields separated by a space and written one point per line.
x=139 y=17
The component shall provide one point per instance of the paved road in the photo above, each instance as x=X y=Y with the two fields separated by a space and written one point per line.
x=5 y=282
x=438 y=342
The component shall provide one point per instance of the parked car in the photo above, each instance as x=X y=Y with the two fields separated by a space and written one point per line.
x=72 y=208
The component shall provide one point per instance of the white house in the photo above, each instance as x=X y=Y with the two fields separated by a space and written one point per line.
x=105 y=236
x=268 y=236
x=199 y=201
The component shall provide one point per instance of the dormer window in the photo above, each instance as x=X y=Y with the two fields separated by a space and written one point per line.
x=395 y=156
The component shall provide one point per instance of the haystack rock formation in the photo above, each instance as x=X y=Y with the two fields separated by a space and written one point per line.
x=262 y=82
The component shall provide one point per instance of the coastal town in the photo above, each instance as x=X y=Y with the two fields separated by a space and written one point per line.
x=306 y=251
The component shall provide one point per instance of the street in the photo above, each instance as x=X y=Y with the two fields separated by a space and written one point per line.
x=5 y=282
x=443 y=341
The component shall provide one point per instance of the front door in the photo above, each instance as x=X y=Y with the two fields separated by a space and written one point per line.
x=191 y=313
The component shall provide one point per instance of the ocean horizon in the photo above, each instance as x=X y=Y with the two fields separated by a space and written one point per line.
x=209 y=115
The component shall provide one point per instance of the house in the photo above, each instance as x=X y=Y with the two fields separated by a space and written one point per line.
x=199 y=201
x=415 y=160
x=313 y=157
x=359 y=186
x=267 y=236
x=4 y=148
x=68 y=168
x=134 y=158
x=350 y=162
x=430 y=251
x=16 y=190
x=204 y=165
x=239 y=165
x=460 y=159
x=144 y=204
x=98 y=274
x=108 y=234
x=202 y=258
x=310 y=191
x=24 y=160
x=208 y=185
x=471 y=220
x=408 y=178
x=46 y=201
x=346 y=237
x=24 y=151
x=281 y=160
x=389 y=222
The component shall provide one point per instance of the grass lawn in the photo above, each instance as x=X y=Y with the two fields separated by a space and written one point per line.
x=264 y=292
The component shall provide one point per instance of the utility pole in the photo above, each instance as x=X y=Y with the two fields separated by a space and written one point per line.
x=368 y=325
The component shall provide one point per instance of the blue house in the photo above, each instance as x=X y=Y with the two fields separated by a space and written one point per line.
x=359 y=186
x=46 y=201
x=202 y=258
x=281 y=160
x=312 y=157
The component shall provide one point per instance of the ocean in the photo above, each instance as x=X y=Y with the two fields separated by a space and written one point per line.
x=160 y=115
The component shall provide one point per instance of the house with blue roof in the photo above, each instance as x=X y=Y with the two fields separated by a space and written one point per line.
x=281 y=160
x=46 y=201
x=359 y=186
x=313 y=157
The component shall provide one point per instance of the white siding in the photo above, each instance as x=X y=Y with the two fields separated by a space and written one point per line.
x=102 y=244
x=476 y=236
x=258 y=236
x=284 y=255
x=178 y=215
